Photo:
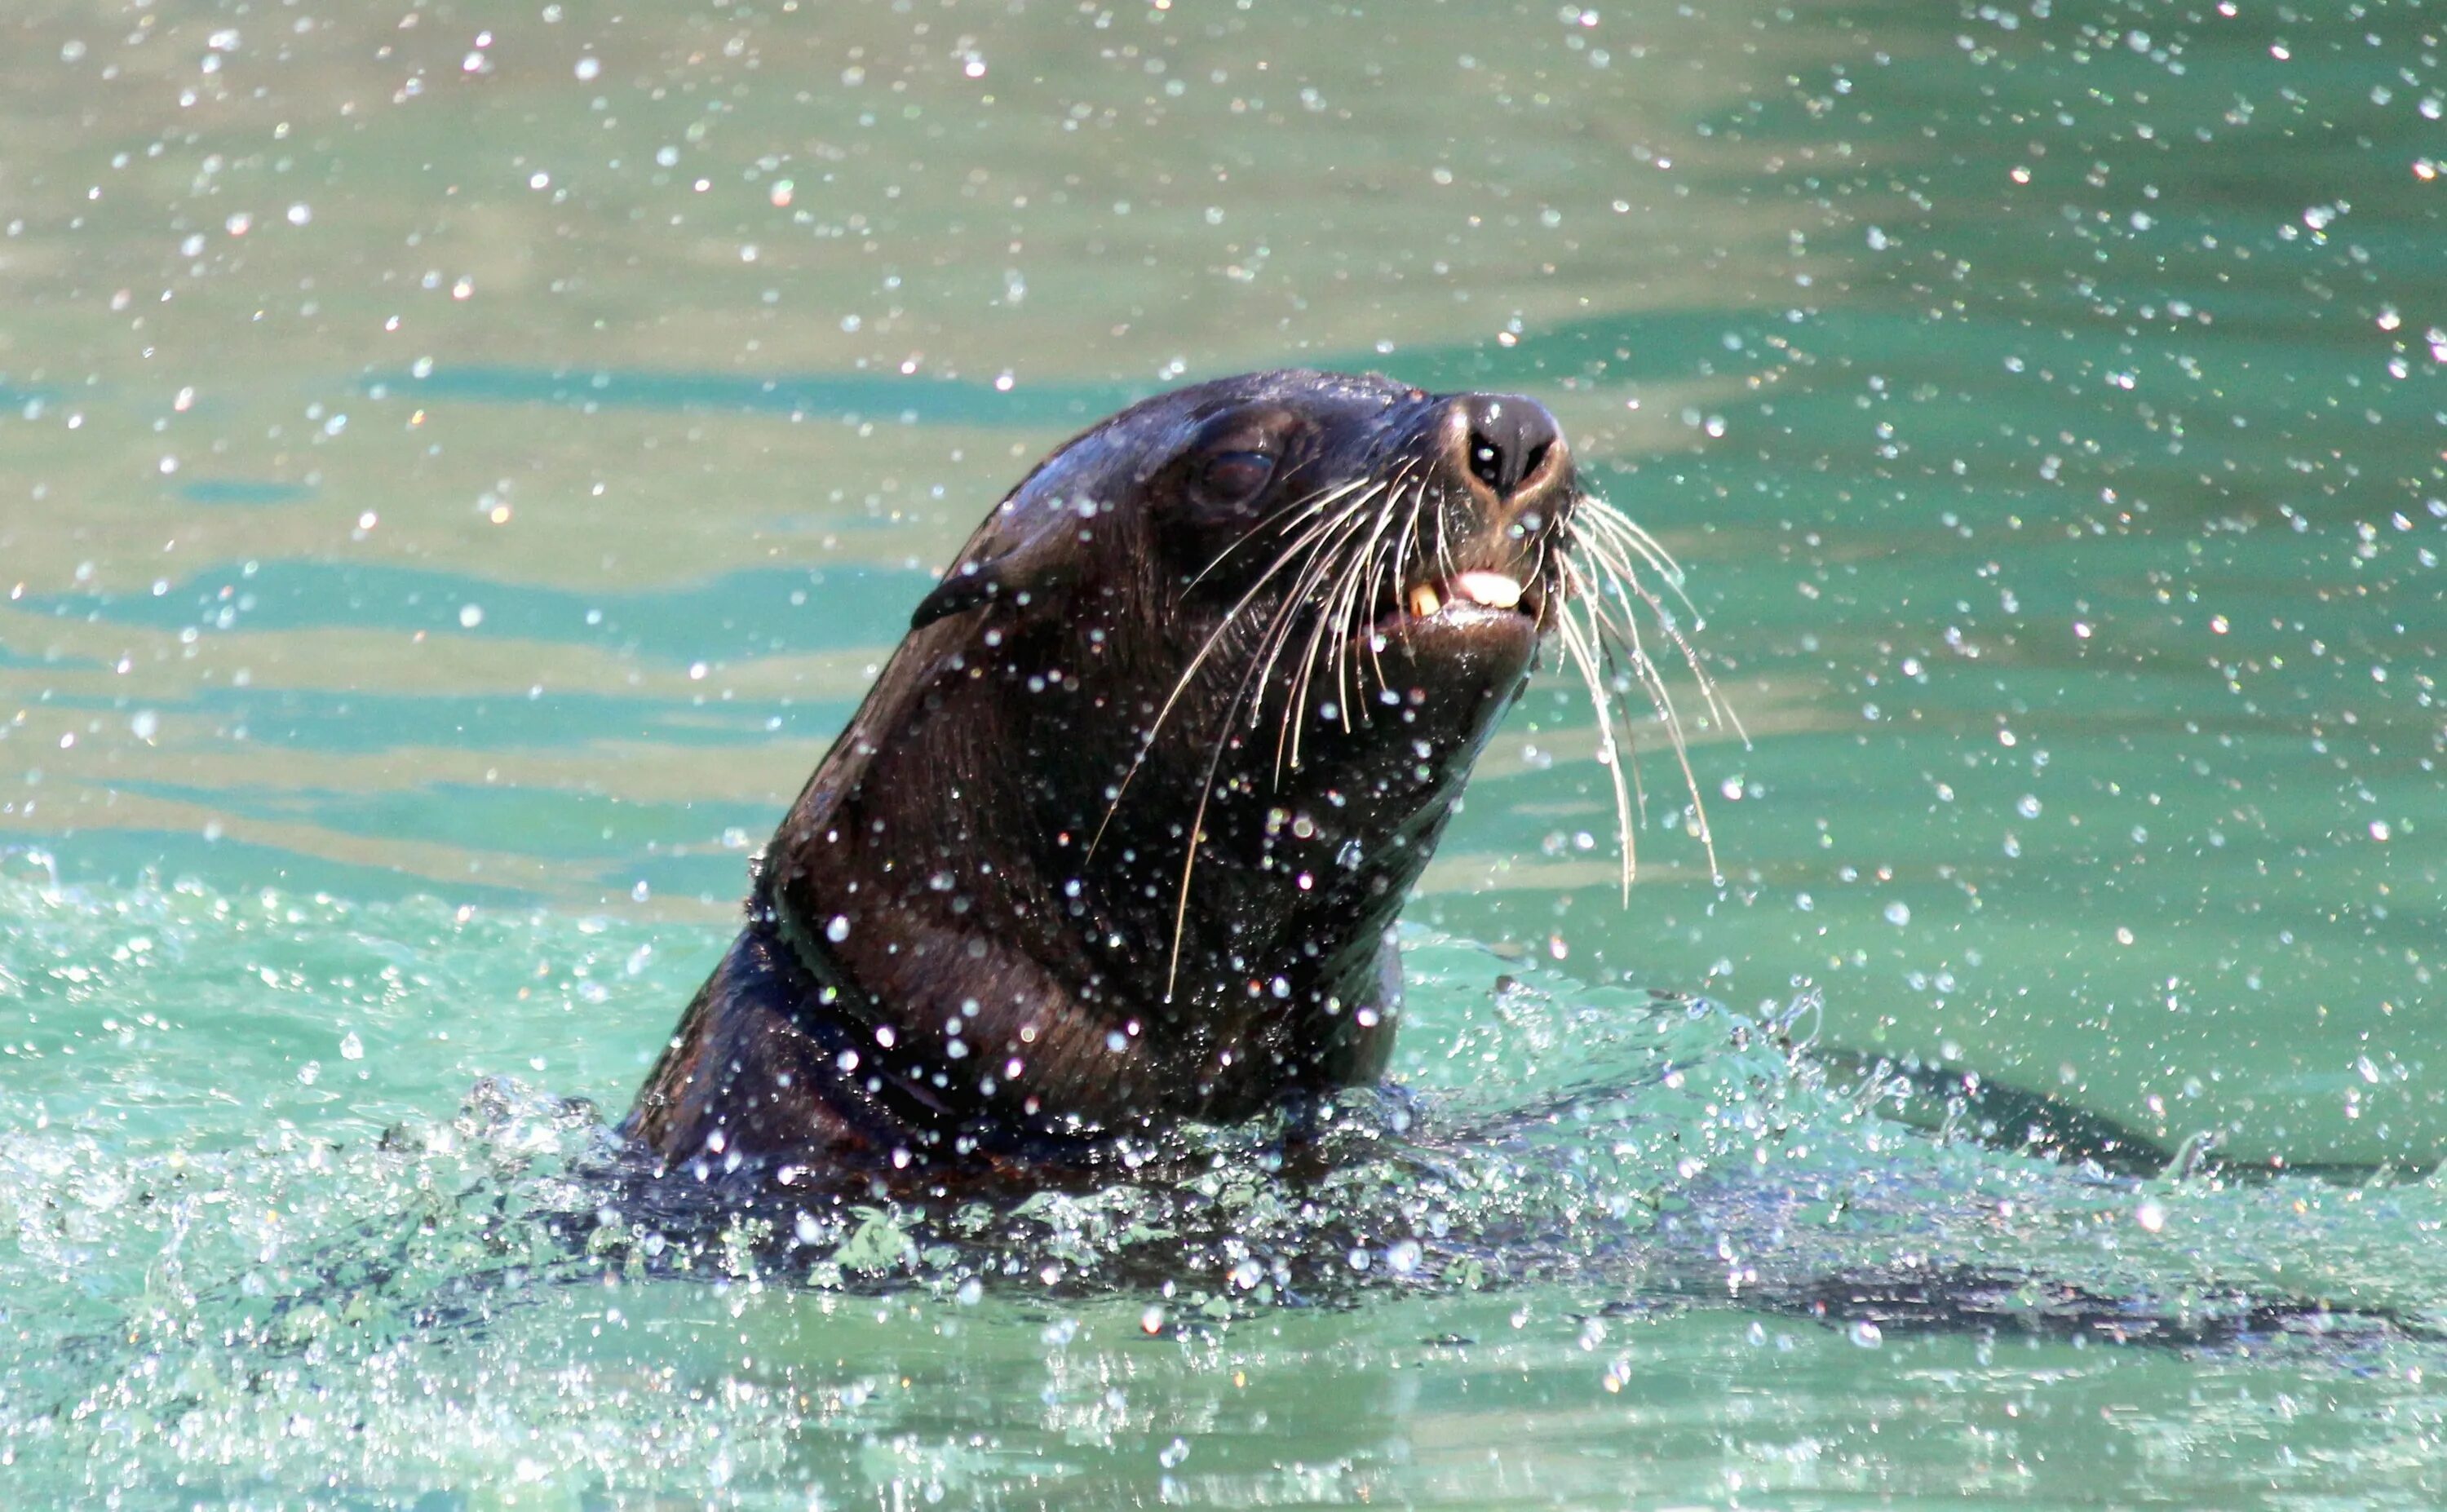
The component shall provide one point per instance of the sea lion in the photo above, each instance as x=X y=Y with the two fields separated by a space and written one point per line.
x=1119 y=836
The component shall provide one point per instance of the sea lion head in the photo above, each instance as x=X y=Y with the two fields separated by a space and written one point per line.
x=1119 y=834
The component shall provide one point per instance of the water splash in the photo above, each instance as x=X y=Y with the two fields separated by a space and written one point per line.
x=219 y=1278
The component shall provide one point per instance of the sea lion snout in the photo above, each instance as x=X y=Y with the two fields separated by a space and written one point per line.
x=1508 y=445
x=1502 y=480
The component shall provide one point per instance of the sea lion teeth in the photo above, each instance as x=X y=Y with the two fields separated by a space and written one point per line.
x=1424 y=601
x=1494 y=590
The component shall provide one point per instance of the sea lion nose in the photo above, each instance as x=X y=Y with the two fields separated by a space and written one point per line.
x=1510 y=443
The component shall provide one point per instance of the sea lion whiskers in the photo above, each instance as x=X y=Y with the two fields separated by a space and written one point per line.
x=1315 y=504
x=1615 y=538
x=1578 y=648
x=1338 y=570
x=1604 y=516
x=1320 y=557
x=1614 y=631
x=1325 y=569
x=1320 y=568
x=1661 y=695
x=1353 y=597
x=1379 y=567
x=1409 y=542
x=1189 y=858
x=1547 y=545
x=1349 y=563
x=1346 y=604
x=1390 y=564
x=1305 y=542
x=1613 y=558
x=1322 y=549
x=1610 y=546
x=1324 y=572
x=1444 y=545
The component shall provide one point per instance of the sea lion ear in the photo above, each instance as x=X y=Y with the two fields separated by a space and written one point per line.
x=1002 y=565
x=964 y=587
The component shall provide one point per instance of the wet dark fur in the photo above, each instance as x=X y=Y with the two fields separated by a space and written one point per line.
x=980 y=940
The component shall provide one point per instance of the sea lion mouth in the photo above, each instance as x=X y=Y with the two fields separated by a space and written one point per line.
x=1464 y=595
x=1481 y=604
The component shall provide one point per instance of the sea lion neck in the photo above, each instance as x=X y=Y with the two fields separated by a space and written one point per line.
x=1014 y=933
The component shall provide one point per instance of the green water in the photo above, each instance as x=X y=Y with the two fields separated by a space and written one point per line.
x=459 y=466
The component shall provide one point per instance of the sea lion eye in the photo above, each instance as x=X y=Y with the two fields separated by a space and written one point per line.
x=1235 y=477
